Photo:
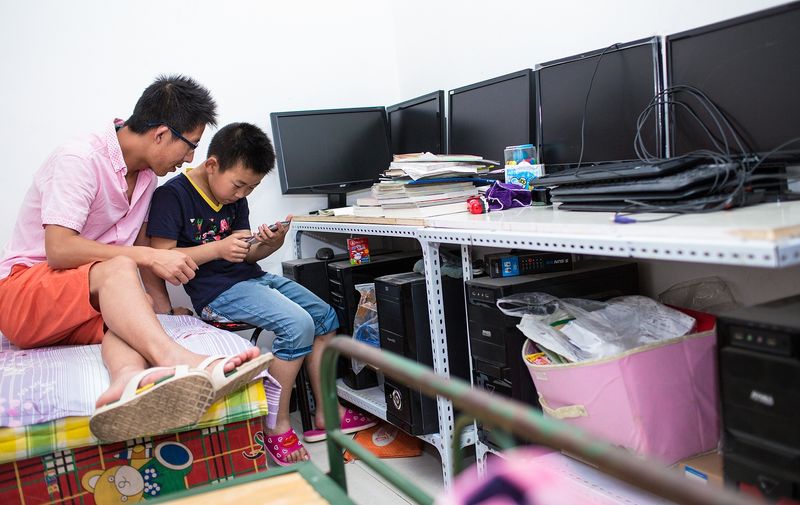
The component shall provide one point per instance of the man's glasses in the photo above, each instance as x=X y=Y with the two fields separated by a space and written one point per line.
x=175 y=132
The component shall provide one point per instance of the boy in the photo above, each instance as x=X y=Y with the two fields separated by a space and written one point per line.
x=79 y=245
x=204 y=214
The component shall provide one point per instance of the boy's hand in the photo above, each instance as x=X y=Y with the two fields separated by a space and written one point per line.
x=234 y=248
x=273 y=239
x=174 y=267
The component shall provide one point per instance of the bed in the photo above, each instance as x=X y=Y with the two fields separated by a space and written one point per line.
x=48 y=455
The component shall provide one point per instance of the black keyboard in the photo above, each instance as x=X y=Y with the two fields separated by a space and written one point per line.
x=618 y=171
x=672 y=182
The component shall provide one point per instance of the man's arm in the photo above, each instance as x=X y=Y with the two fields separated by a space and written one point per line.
x=232 y=248
x=65 y=248
x=153 y=285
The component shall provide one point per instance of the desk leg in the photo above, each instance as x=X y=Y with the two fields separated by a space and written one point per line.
x=433 y=284
x=298 y=236
x=481 y=450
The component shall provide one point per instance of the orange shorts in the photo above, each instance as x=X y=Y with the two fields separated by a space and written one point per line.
x=40 y=306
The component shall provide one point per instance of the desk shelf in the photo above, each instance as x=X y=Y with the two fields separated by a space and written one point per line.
x=372 y=400
x=766 y=235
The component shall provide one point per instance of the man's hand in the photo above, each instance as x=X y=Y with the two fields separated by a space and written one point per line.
x=233 y=248
x=173 y=266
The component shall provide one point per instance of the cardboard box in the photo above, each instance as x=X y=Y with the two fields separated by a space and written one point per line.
x=706 y=468
x=524 y=175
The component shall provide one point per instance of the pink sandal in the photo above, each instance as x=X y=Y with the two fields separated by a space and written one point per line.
x=352 y=421
x=281 y=446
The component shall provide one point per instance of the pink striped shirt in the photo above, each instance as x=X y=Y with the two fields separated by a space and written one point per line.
x=81 y=186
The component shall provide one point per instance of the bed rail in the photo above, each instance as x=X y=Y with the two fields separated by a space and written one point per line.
x=506 y=414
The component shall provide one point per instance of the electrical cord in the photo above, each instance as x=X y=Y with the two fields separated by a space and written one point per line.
x=586 y=100
x=728 y=188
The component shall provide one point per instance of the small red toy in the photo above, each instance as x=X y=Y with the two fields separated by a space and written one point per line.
x=477 y=205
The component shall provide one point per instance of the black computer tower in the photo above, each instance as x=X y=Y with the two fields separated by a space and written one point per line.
x=343 y=277
x=311 y=273
x=496 y=342
x=759 y=366
x=405 y=329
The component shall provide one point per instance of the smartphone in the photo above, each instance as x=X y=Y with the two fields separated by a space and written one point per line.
x=272 y=227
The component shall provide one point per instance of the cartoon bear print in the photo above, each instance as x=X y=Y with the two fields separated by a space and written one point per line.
x=115 y=485
x=145 y=478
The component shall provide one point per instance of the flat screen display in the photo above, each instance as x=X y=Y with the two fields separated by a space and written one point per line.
x=417 y=125
x=326 y=150
x=624 y=78
x=486 y=117
x=750 y=68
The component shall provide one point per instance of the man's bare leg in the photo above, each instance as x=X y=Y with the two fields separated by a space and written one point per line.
x=122 y=363
x=116 y=291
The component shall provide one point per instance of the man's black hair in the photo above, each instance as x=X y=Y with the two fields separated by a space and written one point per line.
x=245 y=143
x=174 y=100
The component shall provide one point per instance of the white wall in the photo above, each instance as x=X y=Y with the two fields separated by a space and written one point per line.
x=445 y=45
x=69 y=66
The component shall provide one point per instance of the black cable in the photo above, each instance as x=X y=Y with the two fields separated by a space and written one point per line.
x=586 y=100
x=661 y=99
x=729 y=188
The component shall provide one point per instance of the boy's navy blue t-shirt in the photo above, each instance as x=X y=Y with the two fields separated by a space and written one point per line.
x=179 y=212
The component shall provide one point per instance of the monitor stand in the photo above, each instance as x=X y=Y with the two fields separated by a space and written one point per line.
x=337 y=200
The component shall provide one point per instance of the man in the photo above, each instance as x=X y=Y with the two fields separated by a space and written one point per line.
x=70 y=273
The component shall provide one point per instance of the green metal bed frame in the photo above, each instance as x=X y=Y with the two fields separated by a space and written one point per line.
x=507 y=415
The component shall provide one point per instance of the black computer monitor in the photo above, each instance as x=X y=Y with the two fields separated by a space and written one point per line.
x=417 y=125
x=485 y=117
x=332 y=151
x=750 y=68
x=602 y=92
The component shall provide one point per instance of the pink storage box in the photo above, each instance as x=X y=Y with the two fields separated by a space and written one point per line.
x=659 y=400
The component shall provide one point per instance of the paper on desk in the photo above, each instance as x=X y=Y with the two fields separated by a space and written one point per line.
x=343 y=211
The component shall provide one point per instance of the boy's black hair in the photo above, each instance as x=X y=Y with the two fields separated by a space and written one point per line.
x=245 y=143
x=174 y=100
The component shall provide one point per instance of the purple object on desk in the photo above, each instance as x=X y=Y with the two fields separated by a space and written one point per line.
x=502 y=195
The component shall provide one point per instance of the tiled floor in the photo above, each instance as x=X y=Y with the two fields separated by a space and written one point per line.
x=365 y=487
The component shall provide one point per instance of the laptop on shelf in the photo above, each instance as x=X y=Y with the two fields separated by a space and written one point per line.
x=616 y=171
x=707 y=174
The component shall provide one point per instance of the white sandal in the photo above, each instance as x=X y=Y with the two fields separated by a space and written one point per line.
x=173 y=402
x=225 y=384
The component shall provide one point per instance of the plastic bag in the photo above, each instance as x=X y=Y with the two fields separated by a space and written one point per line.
x=707 y=294
x=365 y=323
x=450 y=265
x=577 y=329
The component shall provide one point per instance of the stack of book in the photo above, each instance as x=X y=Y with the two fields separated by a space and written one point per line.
x=425 y=165
x=425 y=185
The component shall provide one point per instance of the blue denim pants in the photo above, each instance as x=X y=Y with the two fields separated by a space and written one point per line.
x=275 y=303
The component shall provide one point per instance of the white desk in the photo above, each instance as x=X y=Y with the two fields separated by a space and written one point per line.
x=766 y=235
